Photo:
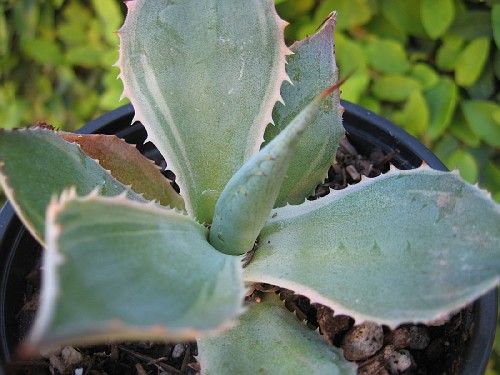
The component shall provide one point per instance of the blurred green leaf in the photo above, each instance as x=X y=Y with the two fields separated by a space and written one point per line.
x=354 y=88
x=437 y=16
x=471 y=24
x=492 y=177
x=11 y=109
x=465 y=163
x=404 y=14
x=461 y=129
x=496 y=64
x=424 y=74
x=370 y=103
x=46 y=22
x=445 y=147
x=495 y=23
x=387 y=56
x=351 y=13
x=110 y=16
x=293 y=9
x=42 y=51
x=485 y=86
x=350 y=55
x=415 y=115
x=394 y=88
x=442 y=101
x=86 y=56
x=381 y=27
x=471 y=61
x=4 y=33
x=496 y=116
x=480 y=117
x=447 y=54
x=73 y=30
x=26 y=13
x=301 y=29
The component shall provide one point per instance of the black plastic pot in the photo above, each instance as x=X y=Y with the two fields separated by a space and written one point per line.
x=19 y=251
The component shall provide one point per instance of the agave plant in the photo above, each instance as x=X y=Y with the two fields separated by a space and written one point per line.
x=127 y=258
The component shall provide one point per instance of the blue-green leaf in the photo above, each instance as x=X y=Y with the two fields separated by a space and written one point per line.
x=311 y=68
x=270 y=340
x=246 y=201
x=115 y=269
x=36 y=164
x=205 y=89
x=355 y=247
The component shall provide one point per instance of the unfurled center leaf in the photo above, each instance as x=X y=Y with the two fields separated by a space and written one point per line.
x=249 y=196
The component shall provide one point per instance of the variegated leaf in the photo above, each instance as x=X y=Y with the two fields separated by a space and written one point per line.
x=204 y=89
x=407 y=246
x=115 y=269
x=270 y=340
x=36 y=164
x=128 y=165
x=311 y=68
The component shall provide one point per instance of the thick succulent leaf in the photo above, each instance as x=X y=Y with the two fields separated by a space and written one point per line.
x=121 y=270
x=36 y=164
x=204 y=89
x=311 y=68
x=407 y=246
x=245 y=204
x=129 y=166
x=270 y=340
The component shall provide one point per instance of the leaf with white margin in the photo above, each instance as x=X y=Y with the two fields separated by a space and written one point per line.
x=245 y=203
x=115 y=269
x=270 y=340
x=203 y=79
x=128 y=165
x=407 y=246
x=36 y=164
x=311 y=68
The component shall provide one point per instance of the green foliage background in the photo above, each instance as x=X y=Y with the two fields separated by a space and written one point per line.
x=431 y=66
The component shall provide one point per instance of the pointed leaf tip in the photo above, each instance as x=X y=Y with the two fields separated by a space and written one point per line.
x=312 y=67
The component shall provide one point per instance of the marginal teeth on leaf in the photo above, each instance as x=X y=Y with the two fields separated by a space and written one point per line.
x=131 y=5
x=124 y=194
x=393 y=168
x=424 y=165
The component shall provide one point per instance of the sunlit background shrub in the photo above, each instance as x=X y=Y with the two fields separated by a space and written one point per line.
x=431 y=66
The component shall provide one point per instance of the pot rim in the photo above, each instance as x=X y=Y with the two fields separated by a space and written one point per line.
x=379 y=132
